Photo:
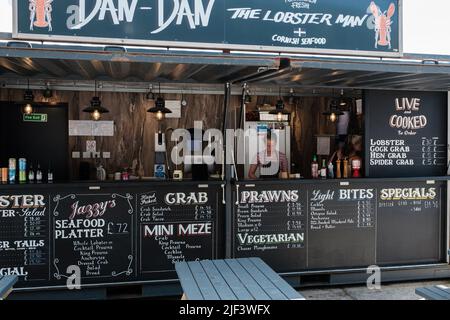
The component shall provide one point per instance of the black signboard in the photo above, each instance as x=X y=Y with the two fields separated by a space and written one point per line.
x=410 y=220
x=94 y=233
x=114 y=235
x=324 y=26
x=340 y=225
x=406 y=133
x=270 y=222
x=24 y=236
x=176 y=225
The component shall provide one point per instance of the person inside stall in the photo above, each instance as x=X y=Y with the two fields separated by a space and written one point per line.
x=272 y=163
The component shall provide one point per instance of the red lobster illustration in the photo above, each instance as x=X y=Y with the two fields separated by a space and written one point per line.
x=41 y=14
x=383 y=24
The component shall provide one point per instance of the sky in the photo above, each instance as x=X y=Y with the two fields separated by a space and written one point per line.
x=426 y=25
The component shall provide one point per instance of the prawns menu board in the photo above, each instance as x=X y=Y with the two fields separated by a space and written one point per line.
x=353 y=224
x=271 y=223
x=24 y=236
x=174 y=226
x=94 y=233
x=406 y=133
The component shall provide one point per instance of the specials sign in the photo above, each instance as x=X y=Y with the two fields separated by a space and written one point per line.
x=370 y=27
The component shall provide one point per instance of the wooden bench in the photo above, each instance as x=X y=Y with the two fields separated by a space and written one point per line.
x=6 y=285
x=434 y=293
x=233 y=279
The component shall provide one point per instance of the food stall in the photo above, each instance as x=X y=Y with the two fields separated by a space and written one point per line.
x=111 y=211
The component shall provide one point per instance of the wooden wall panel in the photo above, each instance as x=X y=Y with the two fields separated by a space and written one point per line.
x=133 y=142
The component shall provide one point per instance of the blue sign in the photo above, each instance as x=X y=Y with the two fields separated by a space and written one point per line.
x=362 y=27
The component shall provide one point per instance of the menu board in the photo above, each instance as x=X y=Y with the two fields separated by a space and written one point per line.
x=271 y=223
x=341 y=227
x=409 y=222
x=174 y=226
x=94 y=233
x=24 y=231
x=406 y=133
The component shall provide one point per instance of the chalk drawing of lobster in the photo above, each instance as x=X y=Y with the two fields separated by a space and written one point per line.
x=41 y=14
x=383 y=24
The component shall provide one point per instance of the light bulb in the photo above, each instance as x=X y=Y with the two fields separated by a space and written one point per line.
x=28 y=109
x=159 y=115
x=96 y=115
x=333 y=117
x=279 y=116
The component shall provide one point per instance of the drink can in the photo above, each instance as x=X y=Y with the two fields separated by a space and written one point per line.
x=12 y=170
x=22 y=170
x=22 y=164
x=4 y=175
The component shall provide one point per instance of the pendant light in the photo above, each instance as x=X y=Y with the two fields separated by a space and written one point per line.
x=159 y=109
x=342 y=100
x=334 y=112
x=28 y=97
x=279 y=109
x=95 y=109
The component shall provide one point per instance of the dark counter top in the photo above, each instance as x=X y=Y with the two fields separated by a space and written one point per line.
x=96 y=185
x=92 y=185
x=350 y=180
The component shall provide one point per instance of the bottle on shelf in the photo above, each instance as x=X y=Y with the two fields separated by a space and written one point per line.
x=330 y=170
x=345 y=174
x=31 y=175
x=315 y=168
x=39 y=174
x=323 y=170
x=49 y=174
x=338 y=169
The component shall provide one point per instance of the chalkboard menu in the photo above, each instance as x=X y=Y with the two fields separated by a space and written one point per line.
x=107 y=236
x=24 y=236
x=341 y=227
x=410 y=216
x=176 y=225
x=94 y=233
x=270 y=222
x=406 y=133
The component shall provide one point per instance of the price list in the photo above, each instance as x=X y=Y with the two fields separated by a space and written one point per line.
x=433 y=152
x=24 y=230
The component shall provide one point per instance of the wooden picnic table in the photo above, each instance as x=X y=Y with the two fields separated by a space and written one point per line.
x=6 y=285
x=233 y=279
x=434 y=293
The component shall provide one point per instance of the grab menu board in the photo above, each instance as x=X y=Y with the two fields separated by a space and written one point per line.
x=406 y=133
x=343 y=225
x=174 y=226
x=113 y=235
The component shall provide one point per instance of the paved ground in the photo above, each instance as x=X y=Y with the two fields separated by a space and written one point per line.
x=397 y=291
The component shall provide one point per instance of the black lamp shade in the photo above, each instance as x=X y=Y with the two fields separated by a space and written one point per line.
x=334 y=109
x=28 y=96
x=160 y=106
x=96 y=105
x=279 y=108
